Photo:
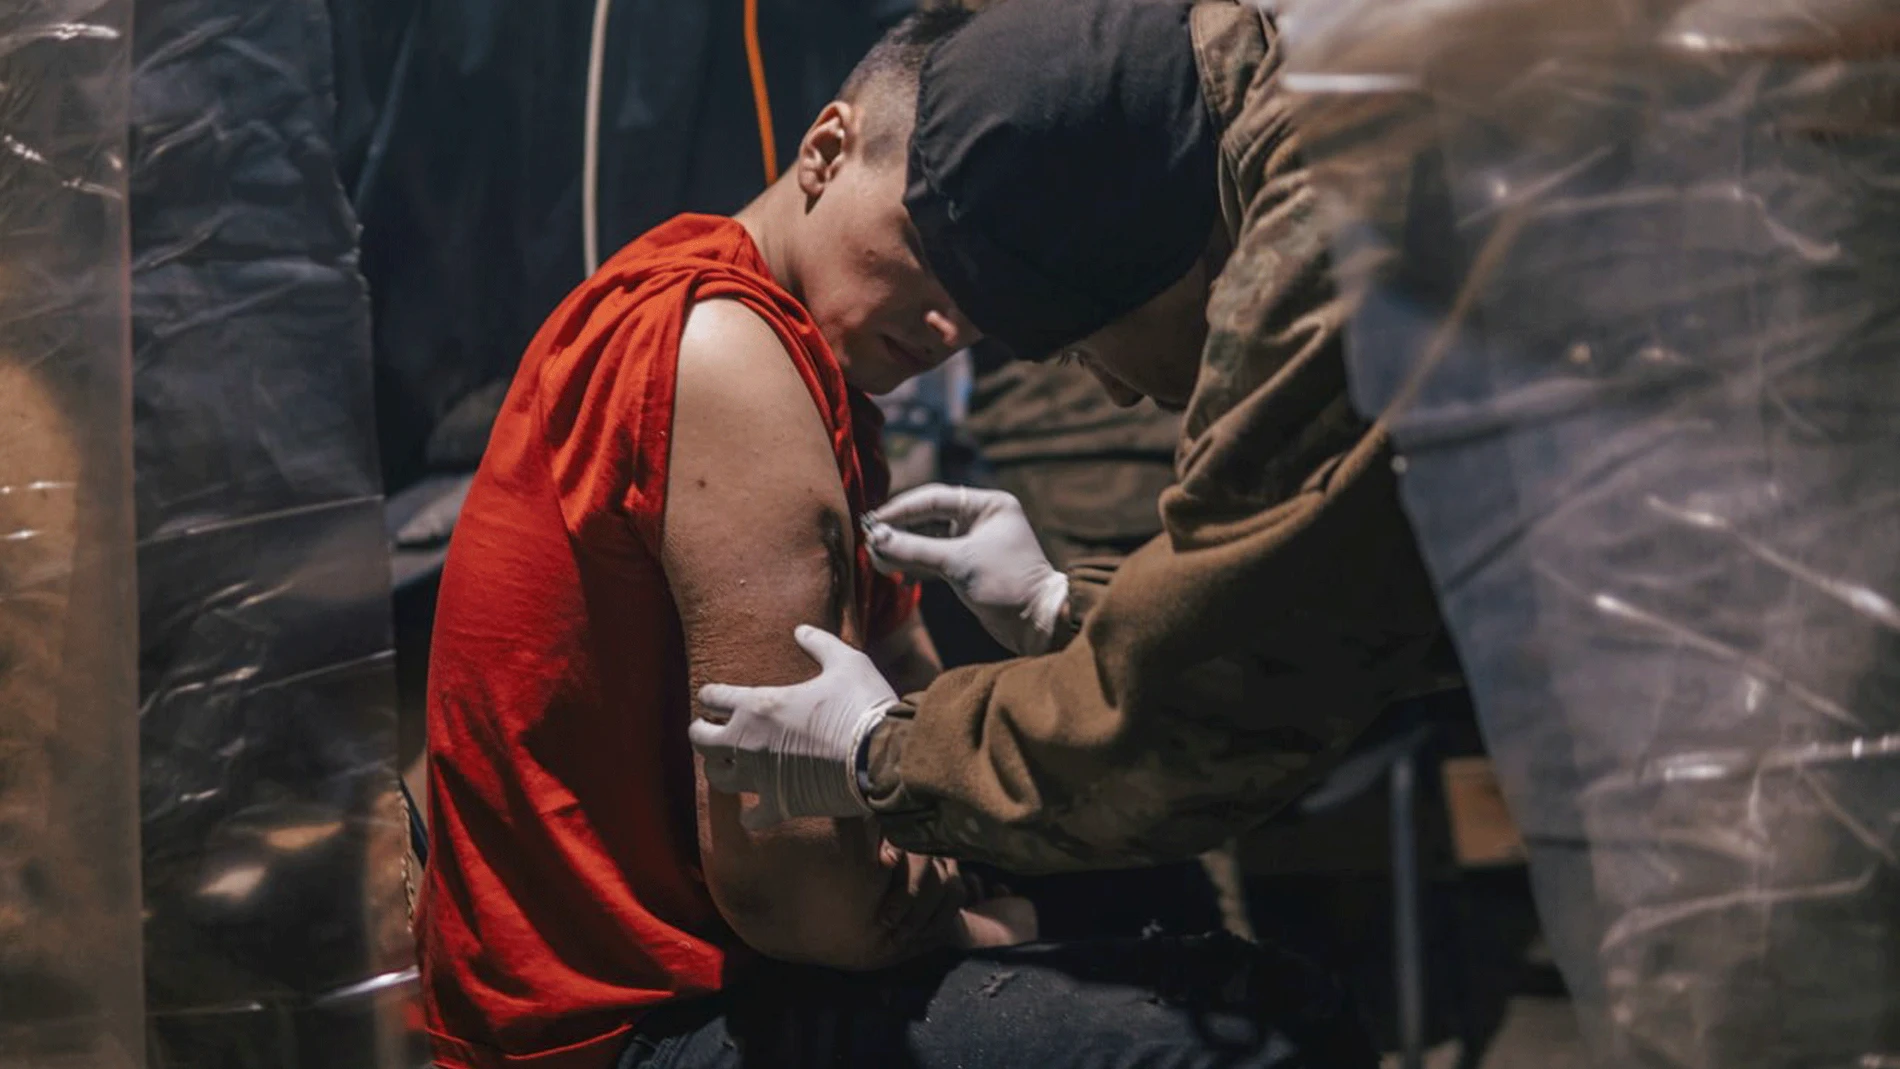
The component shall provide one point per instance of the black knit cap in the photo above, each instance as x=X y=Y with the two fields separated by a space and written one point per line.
x=1063 y=169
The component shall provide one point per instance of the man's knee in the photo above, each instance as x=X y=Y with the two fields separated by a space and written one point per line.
x=1231 y=986
x=1211 y=994
x=1175 y=1000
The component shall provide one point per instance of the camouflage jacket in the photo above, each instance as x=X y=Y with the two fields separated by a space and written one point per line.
x=1224 y=665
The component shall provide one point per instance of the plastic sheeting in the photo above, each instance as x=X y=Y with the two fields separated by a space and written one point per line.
x=69 y=880
x=275 y=912
x=1630 y=276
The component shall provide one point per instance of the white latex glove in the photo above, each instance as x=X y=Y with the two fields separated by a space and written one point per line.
x=990 y=557
x=795 y=747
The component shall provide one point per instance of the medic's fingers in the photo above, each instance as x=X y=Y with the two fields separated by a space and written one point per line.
x=722 y=769
x=708 y=737
x=722 y=700
x=823 y=646
x=917 y=556
x=881 y=563
x=928 y=503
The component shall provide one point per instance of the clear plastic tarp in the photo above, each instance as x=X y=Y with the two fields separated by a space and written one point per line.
x=274 y=838
x=1629 y=274
x=69 y=874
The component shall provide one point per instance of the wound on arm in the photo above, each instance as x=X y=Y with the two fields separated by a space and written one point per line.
x=831 y=532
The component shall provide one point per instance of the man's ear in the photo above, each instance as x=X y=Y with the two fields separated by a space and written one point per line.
x=832 y=136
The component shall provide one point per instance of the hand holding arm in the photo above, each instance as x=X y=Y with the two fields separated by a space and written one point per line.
x=756 y=540
x=799 y=746
x=796 y=746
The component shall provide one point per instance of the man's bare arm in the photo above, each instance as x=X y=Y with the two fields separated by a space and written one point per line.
x=757 y=540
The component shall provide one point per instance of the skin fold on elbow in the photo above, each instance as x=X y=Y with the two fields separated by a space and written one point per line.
x=824 y=919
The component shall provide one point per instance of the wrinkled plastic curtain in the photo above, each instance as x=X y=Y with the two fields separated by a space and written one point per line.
x=69 y=878
x=275 y=919
x=1630 y=304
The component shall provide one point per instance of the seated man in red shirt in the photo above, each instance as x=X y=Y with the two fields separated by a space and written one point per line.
x=671 y=486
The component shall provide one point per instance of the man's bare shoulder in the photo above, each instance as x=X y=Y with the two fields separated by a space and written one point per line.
x=724 y=339
x=736 y=376
x=753 y=490
x=747 y=435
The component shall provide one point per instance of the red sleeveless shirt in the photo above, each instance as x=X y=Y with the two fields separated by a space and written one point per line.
x=563 y=893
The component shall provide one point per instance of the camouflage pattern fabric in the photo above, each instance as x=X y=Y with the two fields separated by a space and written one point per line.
x=1229 y=661
x=1087 y=472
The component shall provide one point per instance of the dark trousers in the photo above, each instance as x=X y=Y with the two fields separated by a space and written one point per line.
x=1157 y=1003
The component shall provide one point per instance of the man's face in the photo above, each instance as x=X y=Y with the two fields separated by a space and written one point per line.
x=1155 y=350
x=886 y=318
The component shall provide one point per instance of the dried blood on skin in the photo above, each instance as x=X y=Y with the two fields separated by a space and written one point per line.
x=838 y=565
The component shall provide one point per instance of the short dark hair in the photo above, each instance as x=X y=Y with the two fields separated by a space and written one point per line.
x=888 y=75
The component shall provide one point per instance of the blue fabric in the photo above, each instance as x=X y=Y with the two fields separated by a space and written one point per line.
x=1160 y=1003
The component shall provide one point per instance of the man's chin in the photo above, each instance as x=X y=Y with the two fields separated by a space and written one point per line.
x=874 y=381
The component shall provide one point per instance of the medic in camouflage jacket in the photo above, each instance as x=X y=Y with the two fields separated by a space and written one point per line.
x=1234 y=658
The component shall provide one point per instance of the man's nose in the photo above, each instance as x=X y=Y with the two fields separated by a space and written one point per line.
x=953 y=330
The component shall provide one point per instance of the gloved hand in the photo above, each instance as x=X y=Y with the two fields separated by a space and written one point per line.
x=990 y=558
x=795 y=747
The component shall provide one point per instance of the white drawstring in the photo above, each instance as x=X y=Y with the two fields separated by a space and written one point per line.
x=590 y=140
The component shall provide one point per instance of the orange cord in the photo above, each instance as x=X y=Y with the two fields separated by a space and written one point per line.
x=761 y=99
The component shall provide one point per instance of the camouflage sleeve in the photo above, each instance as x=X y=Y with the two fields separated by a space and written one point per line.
x=1208 y=687
x=1235 y=656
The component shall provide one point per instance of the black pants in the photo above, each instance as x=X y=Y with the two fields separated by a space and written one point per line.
x=1157 y=1003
